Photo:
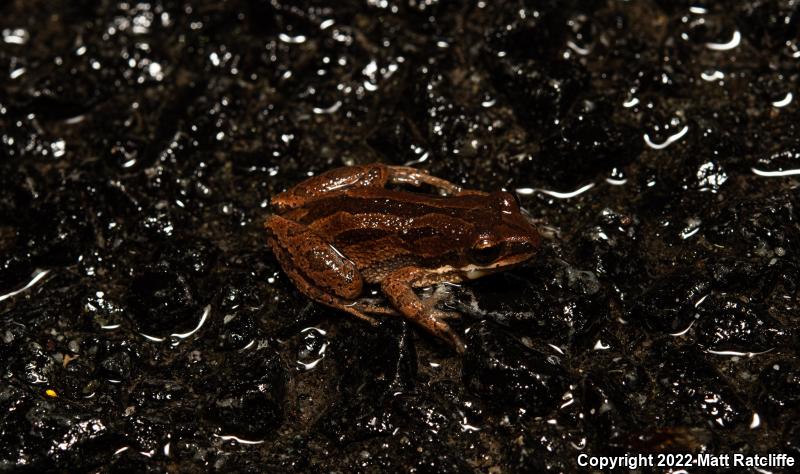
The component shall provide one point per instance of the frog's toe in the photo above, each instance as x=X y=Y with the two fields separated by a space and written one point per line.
x=455 y=342
x=357 y=313
x=372 y=308
x=459 y=346
x=442 y=330
x=446 y=315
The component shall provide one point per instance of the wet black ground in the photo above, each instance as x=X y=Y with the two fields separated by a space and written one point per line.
x=145 y=324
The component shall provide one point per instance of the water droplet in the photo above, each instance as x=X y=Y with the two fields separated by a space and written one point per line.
x=299 y=39
x=712 y=75
x=37 y=275
x=329 y=110
x=775 y=174
x=787 y=99
x=313 y=349
x=555 y=194
x=59 y=148
x=15 y=35
x=601 y=346
x=630 y=102
x=669 y=141
x=756 y=421
x=155 y=71
x=733 y=43
x=578 y=49
x=17 y=73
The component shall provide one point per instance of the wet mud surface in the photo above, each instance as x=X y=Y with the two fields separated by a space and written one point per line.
x=145 y=325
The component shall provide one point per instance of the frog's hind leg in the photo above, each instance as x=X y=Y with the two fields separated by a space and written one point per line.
x=408 y=176
x=301 y=252
x=312 y=291
x=374 y=175
x=305 y=252
x=414 y=177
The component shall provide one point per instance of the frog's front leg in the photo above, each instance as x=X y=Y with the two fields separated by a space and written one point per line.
x=314 y=266
x=398 y=287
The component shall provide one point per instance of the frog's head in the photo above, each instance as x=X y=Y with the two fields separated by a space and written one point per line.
x=507 y=239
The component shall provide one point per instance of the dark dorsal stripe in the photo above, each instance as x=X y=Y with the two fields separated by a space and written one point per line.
x=394 y=203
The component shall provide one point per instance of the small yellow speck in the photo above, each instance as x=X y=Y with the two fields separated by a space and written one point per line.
x=51 y=393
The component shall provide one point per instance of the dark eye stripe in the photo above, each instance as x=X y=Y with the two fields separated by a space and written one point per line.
x=486 y=255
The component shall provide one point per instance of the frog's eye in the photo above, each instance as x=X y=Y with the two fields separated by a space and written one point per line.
x=484 y=253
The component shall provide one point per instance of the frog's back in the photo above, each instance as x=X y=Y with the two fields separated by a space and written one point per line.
x=382 y=230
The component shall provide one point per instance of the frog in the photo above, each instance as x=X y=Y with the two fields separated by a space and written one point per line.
x=397 y=229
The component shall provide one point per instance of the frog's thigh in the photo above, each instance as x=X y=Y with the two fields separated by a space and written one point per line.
x=316 y=294
x=315 y=259
x=336 y=180
x=397 y=286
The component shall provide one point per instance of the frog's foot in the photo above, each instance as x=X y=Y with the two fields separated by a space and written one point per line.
x=414 y=177
x=439 y=294
x=397 y=286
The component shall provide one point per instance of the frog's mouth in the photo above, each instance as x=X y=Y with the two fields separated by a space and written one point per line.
x=476 y=273
x=473 y=272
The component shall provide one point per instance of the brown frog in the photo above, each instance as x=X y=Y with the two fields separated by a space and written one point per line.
x=337 y=232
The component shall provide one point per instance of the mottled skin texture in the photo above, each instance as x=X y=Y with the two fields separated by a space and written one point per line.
x=335 y=233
